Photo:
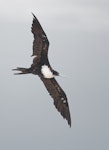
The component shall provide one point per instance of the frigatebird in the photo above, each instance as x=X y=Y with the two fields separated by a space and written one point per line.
x=43 y=69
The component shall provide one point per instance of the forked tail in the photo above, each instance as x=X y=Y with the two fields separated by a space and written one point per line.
x=23 y=70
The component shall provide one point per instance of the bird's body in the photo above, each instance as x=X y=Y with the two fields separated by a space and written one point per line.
x=42 y=68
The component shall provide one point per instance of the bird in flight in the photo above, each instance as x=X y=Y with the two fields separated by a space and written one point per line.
x=43 y=69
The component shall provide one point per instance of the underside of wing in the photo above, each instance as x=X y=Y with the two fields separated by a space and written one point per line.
x=40 y=42
x=60 y=99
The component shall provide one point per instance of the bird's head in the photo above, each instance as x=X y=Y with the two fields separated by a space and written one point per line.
x=55 y=73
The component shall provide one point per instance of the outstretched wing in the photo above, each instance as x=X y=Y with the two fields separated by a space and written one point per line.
x=40 y=42
x=60 y=99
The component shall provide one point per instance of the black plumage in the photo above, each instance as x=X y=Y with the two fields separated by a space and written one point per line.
x=39 y=67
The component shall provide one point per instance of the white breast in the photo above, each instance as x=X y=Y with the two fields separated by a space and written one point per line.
x=46 y=72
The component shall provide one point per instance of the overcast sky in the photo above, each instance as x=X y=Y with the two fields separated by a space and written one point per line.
x=78 y=31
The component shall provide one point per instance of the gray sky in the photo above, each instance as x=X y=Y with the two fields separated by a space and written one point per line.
x=78 y=32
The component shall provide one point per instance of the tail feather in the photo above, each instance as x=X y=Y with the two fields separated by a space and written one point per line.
x=23 y=70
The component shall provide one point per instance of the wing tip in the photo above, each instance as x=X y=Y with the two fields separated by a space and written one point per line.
x=64 y=111
x=33 y=14
x=69 y=122
x=68 y=118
